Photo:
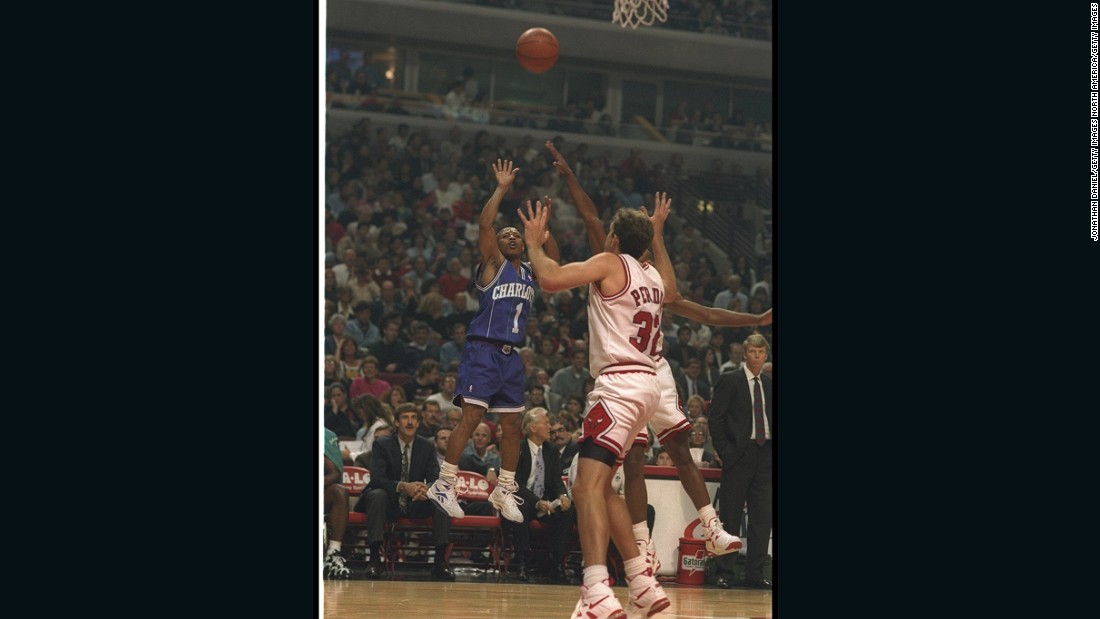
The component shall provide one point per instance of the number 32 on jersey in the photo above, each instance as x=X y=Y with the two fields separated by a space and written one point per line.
x=648 y=324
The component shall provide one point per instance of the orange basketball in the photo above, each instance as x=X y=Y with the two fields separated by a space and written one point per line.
x=537 y=50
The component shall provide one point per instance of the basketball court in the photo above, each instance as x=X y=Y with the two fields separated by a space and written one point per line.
x=480 y=593
x=469 y=598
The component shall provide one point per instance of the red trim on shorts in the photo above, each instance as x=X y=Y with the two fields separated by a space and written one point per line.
x=676 y=429
x=634 y=367
x=609 y=445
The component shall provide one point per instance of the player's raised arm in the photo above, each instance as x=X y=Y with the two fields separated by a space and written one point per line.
x=551 y=246
x=486 y=234
x=592 y=224
x=661 y=208
x=717 y=317
x=553 y=276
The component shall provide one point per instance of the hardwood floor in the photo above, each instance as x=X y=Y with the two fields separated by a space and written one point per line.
x=481 y=598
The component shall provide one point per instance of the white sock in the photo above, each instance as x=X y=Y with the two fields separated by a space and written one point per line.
x=706 y=514
x=634 y=566
x=594 y=575
x=506 y=477
x=641 y=532
x=448 y=472
x=334 y=546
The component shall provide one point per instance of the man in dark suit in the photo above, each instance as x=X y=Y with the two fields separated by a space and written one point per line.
x=743 y=431
x=399 y=484
x=538 y=474
x=563 y=441
x=682 y=350
x=693 y=382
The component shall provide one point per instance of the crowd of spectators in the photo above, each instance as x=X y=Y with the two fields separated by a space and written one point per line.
x=400 y=225
x=705 y=126
x=698 y=127
x=400 y=247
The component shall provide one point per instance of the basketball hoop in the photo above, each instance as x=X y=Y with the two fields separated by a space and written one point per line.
x=636 y=13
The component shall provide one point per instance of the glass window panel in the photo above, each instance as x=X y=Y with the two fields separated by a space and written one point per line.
x=584 y=86
x=516 y=86
x=755 y=105
x=384 y=65
x=639 y=99
x=696 y=96
x=438 y=72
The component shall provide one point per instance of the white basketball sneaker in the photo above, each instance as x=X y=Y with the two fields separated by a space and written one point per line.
x=504 y=499
x=719 y=541
x=599 y=602
x=647 y=598
x=445 y=498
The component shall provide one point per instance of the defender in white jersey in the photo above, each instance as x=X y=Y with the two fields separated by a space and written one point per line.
x=669 y=423
x=624 y=320
x=624 y=367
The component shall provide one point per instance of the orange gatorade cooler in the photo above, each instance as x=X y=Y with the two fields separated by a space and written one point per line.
x=693 y=561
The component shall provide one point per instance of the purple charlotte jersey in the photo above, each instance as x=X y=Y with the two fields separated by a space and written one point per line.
x=490 y=373
x=504 y=304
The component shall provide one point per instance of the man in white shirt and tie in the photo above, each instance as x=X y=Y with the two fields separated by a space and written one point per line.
x=742 y=428
x=542 y=490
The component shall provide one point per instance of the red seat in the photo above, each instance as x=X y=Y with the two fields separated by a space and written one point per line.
x=468 y=535
x=405 y=534
x=356 y=479
x=474 y=534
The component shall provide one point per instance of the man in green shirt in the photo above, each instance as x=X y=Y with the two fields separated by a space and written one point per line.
x=336 y=507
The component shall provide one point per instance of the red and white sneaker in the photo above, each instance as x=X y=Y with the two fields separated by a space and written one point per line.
x=647 y=598
x=645 y=548
x=719 y=541
x=599 y=602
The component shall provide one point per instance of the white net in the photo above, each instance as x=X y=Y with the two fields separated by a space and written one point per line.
x=636 y=13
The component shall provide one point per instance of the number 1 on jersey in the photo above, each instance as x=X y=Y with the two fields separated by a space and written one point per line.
x=515 y=321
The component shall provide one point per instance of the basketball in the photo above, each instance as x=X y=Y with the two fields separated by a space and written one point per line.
x=537 y=50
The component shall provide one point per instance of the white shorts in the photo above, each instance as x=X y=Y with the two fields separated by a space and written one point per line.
x=618 y=408
x=669 y=418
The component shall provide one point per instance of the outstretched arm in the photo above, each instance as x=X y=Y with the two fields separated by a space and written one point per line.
x=592 y=224
x=661 y=209
x=717 y=317
x=551 y=246
x=487 y=235
x=604 y=267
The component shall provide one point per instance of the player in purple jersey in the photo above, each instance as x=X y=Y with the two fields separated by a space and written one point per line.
x=490 y=374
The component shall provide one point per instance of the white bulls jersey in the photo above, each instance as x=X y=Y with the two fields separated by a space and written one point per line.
x=625 y=328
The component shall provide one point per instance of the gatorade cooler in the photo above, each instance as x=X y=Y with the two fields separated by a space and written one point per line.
x=693 y=561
